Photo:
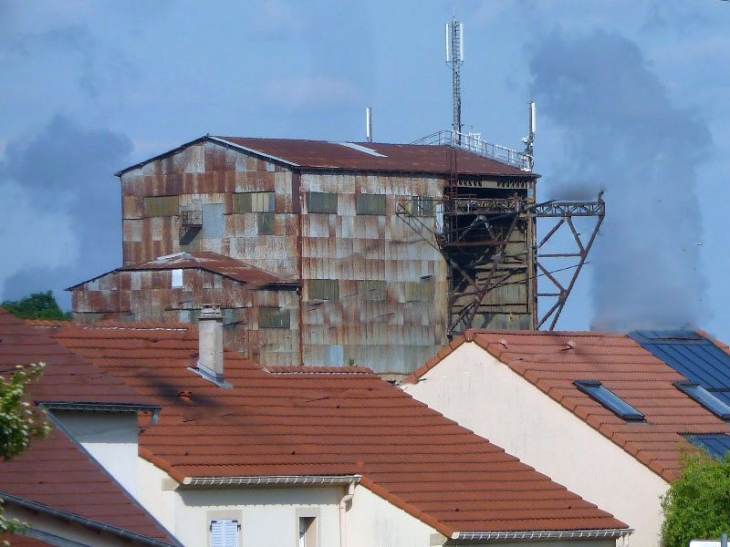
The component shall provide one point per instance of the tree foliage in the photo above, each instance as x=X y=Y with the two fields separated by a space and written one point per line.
x=40 y=305
x=697 y=505
x=19 y=423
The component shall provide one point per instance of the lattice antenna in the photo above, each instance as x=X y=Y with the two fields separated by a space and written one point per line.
x=454 y=59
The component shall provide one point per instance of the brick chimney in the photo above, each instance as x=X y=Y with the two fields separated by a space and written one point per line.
x=210 y=344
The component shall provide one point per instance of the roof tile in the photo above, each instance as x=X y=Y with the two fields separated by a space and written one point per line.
x=323 y=422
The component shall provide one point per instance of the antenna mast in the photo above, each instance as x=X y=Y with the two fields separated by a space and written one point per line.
x=454 y=59
x=529 y=141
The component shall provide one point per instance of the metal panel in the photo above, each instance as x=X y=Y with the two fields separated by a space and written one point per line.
x=161 y=206
x=370 y=204
x=213 y=223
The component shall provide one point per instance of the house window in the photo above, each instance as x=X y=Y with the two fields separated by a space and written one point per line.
x=705 y=398
x=161 y=206
x=595 y=390
x=224 y=532
x=324 y=289
x=370 y=204
x=422 y=206
x=254 y=202
x=307 y=532
x=273 y=318
x=320 y=202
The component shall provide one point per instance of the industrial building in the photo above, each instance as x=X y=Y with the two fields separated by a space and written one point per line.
x=330 y=253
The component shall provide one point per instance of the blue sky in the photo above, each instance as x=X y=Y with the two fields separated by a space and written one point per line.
x=632 y=99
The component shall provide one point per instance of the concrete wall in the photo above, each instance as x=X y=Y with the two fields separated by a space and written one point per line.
x=474 y=389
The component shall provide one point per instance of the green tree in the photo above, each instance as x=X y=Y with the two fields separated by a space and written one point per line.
x=697 y=505
x=40 y=305
x=20 y=421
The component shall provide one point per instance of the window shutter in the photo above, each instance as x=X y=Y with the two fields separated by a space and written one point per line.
x=224 y=533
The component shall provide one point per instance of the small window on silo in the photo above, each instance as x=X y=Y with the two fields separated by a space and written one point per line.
x=324 y=289
x=370 y=204
x=321 y=202
x=419 y=291
x=372 y=290
x=254 y=202
x=161 y=206
x=273 y=318
x=177 y=279
x=265 y=223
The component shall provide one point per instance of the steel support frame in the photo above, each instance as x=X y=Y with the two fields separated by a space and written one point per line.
x=517 y=209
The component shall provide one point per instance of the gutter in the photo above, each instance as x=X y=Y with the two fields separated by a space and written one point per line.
x=607 y=533
x=93 y=524
x=102 y=407
x=271 y=480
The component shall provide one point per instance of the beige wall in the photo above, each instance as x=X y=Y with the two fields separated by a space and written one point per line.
x=474 y=389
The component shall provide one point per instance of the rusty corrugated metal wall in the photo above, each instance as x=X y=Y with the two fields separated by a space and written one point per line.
x=373 y=291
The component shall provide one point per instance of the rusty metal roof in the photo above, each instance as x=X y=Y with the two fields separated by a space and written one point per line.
x=327 y=422
x=204 y=260
x=361 y=156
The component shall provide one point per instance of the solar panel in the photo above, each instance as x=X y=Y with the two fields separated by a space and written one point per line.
x=715 y=444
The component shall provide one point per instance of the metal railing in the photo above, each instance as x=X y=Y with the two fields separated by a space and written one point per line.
x=474 y=143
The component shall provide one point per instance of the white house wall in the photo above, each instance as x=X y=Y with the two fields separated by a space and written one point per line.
x=110 y=438
x=483 y=394
x=374 y=522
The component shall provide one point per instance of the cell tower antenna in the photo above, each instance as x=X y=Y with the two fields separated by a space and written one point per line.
x=454 y=60
x=529 y=140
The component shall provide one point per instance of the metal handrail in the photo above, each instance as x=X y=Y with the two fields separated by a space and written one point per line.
x=474 y=143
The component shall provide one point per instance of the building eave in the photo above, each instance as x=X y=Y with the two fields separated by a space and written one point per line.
x=553 y=535
x=270 y=480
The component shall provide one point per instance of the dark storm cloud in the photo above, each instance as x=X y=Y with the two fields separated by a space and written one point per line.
x=68 y=169
x=623 y=135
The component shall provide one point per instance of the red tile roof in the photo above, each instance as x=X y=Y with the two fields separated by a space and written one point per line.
x=57 y=475
x=68 y=377
x=363 y=156
x=204 y=260
x=290 y=421
x=552 y=361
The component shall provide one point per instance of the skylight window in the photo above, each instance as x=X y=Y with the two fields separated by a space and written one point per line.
x=595 y=390
x=705 y=398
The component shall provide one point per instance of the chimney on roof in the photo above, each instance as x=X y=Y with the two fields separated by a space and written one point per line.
x=210 y=344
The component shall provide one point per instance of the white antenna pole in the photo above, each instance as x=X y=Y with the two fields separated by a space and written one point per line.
x=448 y=40
x=454 y=59
x=533 y=118
x=530 y=139
x=461 y=42
x=369 y=124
